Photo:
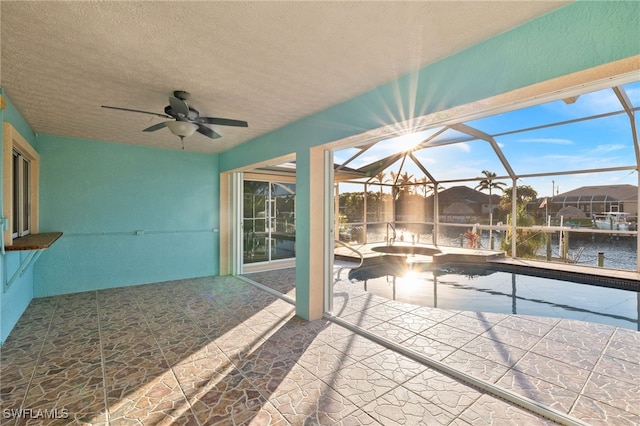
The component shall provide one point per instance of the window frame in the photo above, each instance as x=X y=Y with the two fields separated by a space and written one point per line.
x=14 y=142
x=21 y=195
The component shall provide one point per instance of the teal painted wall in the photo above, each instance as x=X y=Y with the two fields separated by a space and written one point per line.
x=576 y=37
x=14 y=302
x=130 y=215
x=101 y=194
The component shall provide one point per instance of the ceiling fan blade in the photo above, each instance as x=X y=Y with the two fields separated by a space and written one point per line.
x=207 y=131
x=137 y=110
x=179 y=107
x=222 y=121
x=155 y=127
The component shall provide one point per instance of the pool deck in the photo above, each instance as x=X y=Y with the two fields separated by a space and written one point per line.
x=480 y=368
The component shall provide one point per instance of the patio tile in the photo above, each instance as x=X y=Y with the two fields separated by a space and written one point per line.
x=527 y=325
x=429 y=347
x=446 y=334
x=600 y=414
x=512 y=337
x=537 y=389
x=476 y=324
x=401 y=406
x=615 y=392
x=333 y=333
x=580 y=357
x=552 y=371
x=217 y=350
x=393 y=365
x=357 y=347
x=580 y=337
x=346 y=304
x=363 y=319
x=476 y=366
x=238 y=342
x=625 y=371
x=601 y=330
x=443 y=391
x=492 y=411
x=435 y=314
x=231 y=399
x=316 y=403
x=358 y=383
x=194 y=374
x=155 y=402
x=321 y=359
x=392 y=332
x=411 y=322
x=623 y=349
x=384 y=312
x=494 y=350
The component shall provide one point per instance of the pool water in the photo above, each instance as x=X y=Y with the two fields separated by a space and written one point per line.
x=481 y=289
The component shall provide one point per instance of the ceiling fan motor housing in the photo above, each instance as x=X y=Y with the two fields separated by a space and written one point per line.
x=182 y=95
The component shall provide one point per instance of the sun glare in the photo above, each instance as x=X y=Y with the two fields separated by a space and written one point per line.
x=408 y=142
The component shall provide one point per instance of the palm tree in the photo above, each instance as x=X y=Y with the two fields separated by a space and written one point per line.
x=427 y=186
x=402 y=184
x=490 y=184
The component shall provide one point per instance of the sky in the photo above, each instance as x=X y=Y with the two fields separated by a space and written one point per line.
x=599 y=143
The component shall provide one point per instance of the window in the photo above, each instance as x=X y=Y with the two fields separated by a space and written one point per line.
x=268 y=221
x=19 y=185
x=21 y=195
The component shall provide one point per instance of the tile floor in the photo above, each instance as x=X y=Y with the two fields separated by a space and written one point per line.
x=218 y=350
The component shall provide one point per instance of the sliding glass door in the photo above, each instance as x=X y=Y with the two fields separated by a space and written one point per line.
x=268 y=221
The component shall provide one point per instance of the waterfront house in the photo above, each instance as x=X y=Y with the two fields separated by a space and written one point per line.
x=598 y=199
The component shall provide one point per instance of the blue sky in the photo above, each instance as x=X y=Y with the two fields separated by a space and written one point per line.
x=599 y=143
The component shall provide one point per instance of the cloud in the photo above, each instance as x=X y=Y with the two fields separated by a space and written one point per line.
x=463 y=146
x=553 y=141
x=608 y=148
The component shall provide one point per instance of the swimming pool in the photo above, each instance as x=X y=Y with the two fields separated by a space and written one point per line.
x=482 y=289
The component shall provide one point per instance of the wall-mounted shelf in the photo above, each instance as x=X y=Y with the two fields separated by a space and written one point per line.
x=36 y=243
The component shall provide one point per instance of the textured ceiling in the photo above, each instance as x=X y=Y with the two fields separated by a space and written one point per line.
x=269 y=63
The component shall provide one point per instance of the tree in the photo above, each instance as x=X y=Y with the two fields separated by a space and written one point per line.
x=524 y=194
x=528 y=241
x=401 y=184
x=490 y=184
x=426 y=185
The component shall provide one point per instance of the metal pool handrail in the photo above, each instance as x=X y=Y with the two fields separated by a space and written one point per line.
x=353 y=250
x=393 y=238
x=349 y=267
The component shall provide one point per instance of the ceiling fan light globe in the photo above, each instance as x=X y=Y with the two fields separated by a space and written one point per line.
x=182 y=129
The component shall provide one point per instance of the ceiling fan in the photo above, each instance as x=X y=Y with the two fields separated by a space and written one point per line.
x=186 y=120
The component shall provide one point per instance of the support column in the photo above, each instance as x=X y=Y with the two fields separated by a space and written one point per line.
x=231 y=187
x=436 y=215
x=514 y=217
x=313 y=230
